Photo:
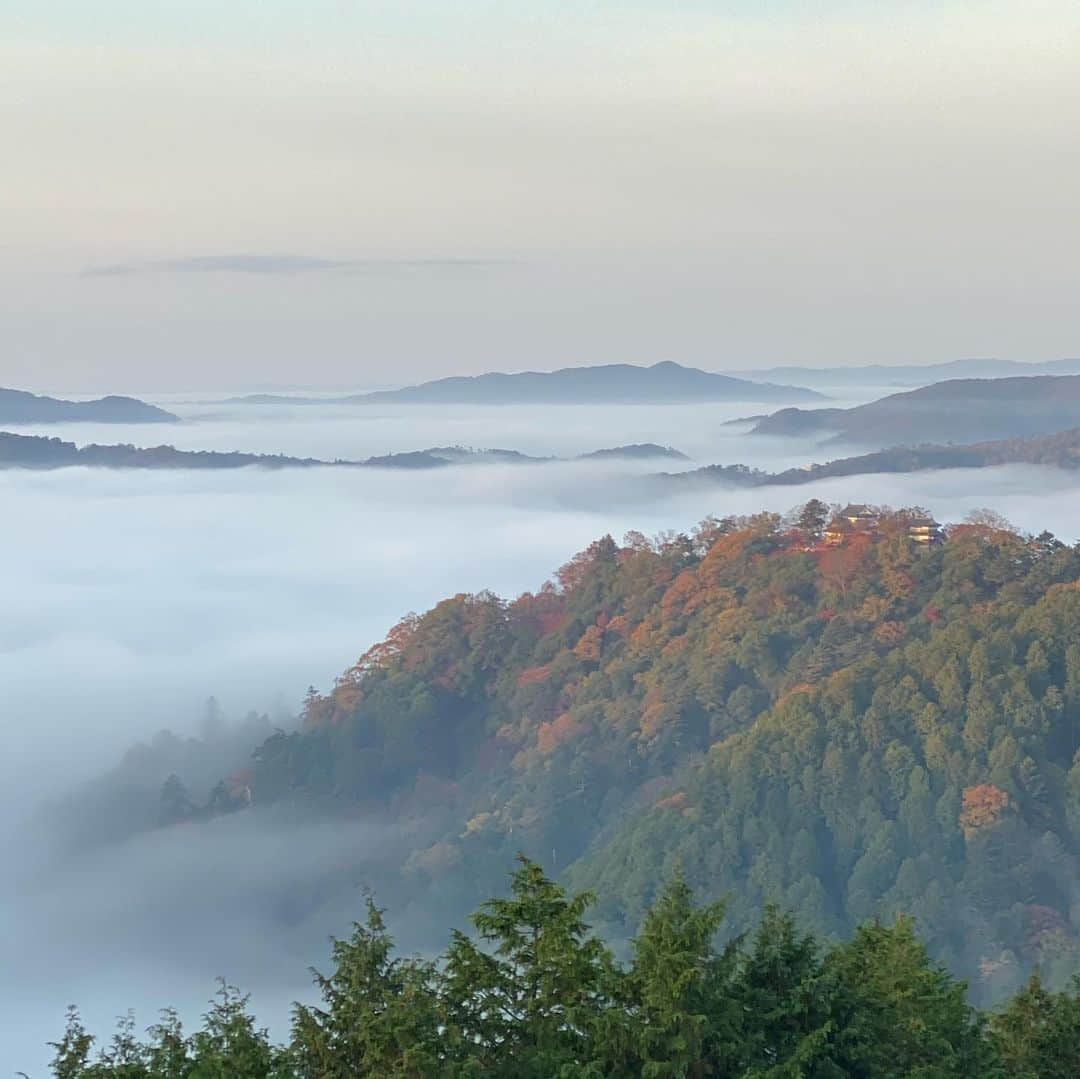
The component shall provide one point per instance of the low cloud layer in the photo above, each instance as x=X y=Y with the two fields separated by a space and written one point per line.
x=157 y=919
x=134 y=596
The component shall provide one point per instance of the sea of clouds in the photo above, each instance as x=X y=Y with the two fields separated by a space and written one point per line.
x=133 y=596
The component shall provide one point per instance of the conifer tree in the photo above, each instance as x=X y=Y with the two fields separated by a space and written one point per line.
x=378 y=1016
x=1038 y=1033
x=684 y=1014
x=528 y=1006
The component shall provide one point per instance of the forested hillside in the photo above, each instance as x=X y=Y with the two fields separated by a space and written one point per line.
x=1058 y=450
x=38 y=452
x=958 y=410
x=850 y=731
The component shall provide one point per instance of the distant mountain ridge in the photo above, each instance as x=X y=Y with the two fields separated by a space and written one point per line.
x=39 y=452
x=18 y=406
x=960 y=410
x=42 y=453
x=879 y=374
x=620 y=383
x=1058 y=450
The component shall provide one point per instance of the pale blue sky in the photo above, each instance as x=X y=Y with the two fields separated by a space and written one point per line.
x=343 y=191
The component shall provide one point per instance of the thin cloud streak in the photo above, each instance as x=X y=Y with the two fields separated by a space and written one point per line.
x=287 y=264
x=253 y=585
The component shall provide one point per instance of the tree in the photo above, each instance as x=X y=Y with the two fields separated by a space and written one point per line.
x=773 y=989
x=72 y=1056
x=379 y=1016
x=684 y=1013
x=989 y=520
x=167 y=1052
x=174 y=801
x=812 y=519
x=896 y=1014
x=527 y=1007
x=539 y=996
x=230 y=1045
x=1037 y=1034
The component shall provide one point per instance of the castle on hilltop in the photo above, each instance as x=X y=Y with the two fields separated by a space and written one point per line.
x=856 y=518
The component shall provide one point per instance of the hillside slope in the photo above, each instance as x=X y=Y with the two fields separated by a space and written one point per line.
x=18 y=406
x=42 y=453
x=961 y=410
x=617 y=383
x=912 y=374
x=851 y=731
x=936 y=779
x=1058 y=450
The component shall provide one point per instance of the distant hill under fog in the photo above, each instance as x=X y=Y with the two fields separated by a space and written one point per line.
x=911 y=374
x=40 y=453
x=619 y=383
x=958 y=411
x=1058 y=450
x=18 y=406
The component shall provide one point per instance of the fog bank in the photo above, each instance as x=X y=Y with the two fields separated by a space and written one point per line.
x=133 y=596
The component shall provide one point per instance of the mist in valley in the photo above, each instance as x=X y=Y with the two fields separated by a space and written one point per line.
x=134 y=596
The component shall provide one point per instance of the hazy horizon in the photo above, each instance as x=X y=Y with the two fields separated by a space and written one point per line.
x=223 y=392
x=363 y=193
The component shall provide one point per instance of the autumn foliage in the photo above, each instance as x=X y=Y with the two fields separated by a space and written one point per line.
x=854 y=728
x=983 y=806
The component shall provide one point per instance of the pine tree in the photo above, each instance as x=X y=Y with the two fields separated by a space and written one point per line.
x=174 y=801
x=1038 y=1033
x=812 y=519
x=899 y=1015
x=379 y=1016
x=774 y=989
x=684 y=1013
x=230 y=1045
x=72 y=1055
x=526 y=1008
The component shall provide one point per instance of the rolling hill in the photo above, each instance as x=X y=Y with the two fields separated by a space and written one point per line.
x=958 y=411
x=40 y=453
x=622 y=383
x=912 y=374
x=849 y=731
x=1058 y=450
x=18 y=406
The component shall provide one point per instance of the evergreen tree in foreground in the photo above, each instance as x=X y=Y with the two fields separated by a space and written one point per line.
x=534 y=994
x=379 y=1014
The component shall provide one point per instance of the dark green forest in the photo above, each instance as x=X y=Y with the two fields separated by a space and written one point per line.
x=849 y=731
x=852 y=732
x=531 y=992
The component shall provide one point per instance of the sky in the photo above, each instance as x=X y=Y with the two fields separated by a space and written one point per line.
x=200 y=195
